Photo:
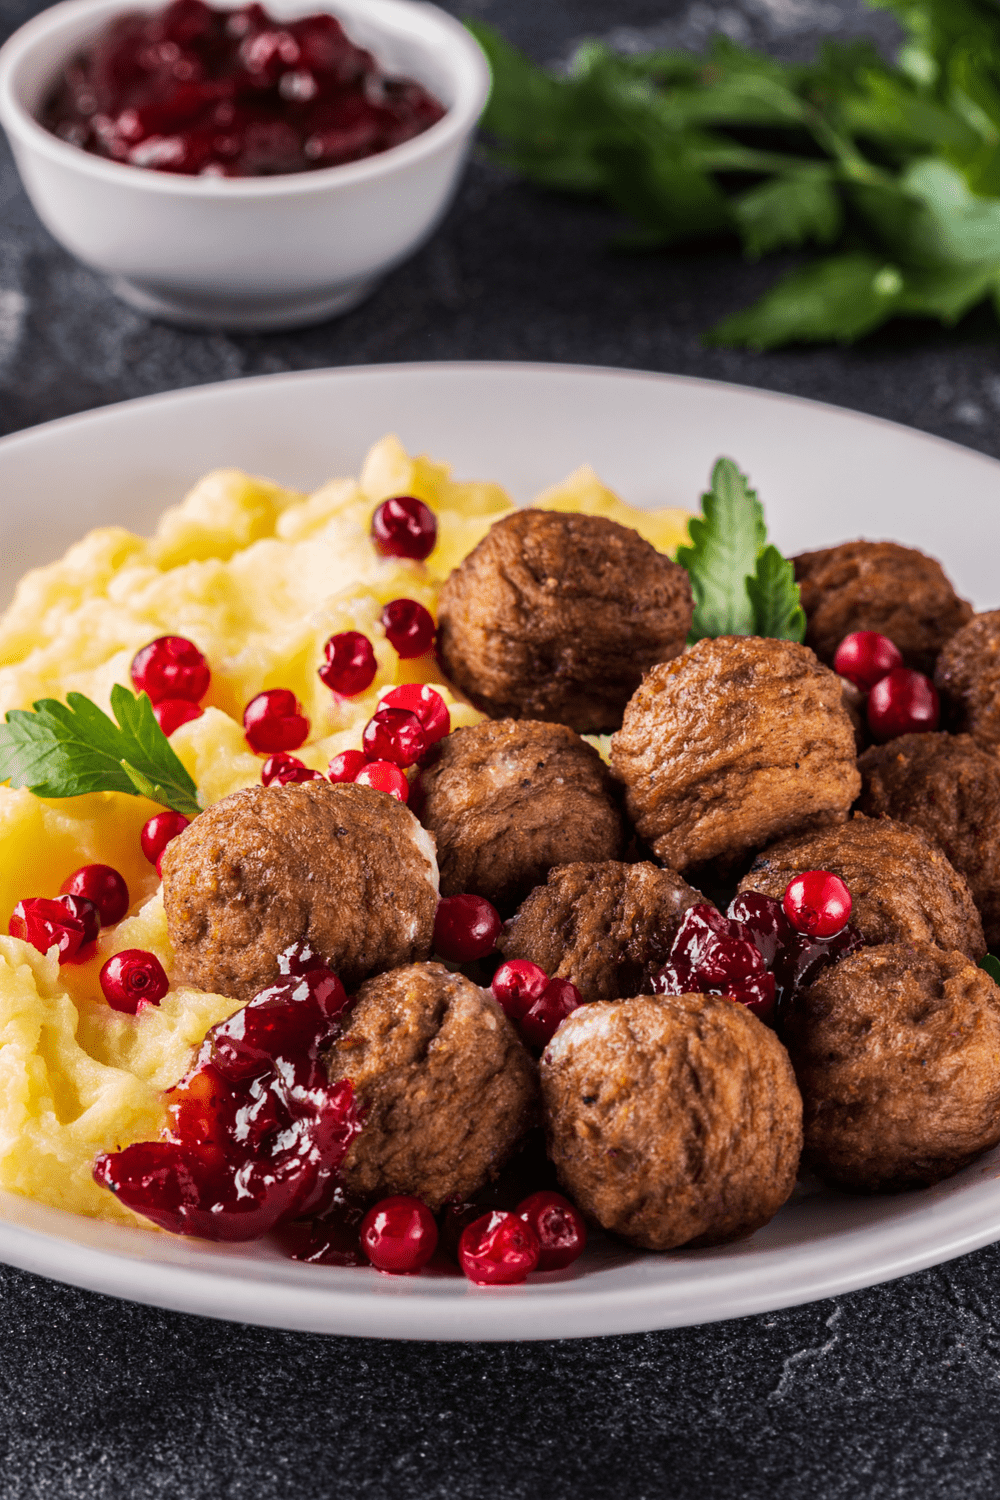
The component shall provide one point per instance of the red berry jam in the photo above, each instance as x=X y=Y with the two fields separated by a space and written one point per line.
x=902 y=702
x=429 y=707
x=133 y=978
x=232 y=93
x=104 y=887
x=404 y=527
x=817 y=903
x=350 y=664
x=257 y=1131
x=285 y=770
x=274 y=721
x=171 y=667
x=171 y=713
x=331 y=1239
x=465 y=928
x=157 y=834
x=499 y=1249
x=346 y=765
x=399 y=1235
x=68 y=923
x=394 y=734
x=559 y=1227
x=409 y=628
x=864 y=658
x=383 y=776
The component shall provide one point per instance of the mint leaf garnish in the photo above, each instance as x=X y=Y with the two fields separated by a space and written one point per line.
x=69 y=749
x=774 y=595
x=992 y=966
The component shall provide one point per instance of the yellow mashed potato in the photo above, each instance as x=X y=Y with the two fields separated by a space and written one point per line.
x=259 y=578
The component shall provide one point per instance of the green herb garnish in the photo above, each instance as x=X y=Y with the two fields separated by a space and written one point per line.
x=992 y=966
x=68 y=749
x=741 y=585
x=894 y=169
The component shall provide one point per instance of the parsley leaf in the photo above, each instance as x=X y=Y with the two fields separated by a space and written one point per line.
x=69 y=749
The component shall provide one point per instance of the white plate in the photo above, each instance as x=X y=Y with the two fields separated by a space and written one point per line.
x=824 y=475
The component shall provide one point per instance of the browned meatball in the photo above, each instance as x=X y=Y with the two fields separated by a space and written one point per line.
x=740 y=741
x=506 y=801
x=879 y=586
x=606 y=927
x=672 y=1120
x=897 y=1053
x=949 y=788
x=902 y=888
x=445 y=1087
x=967 y=676
x=556 y=616
x=344 y=868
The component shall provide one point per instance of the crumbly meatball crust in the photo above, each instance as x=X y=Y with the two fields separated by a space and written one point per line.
x=605 y=927
x=897 y=1053
x=967 y=676
x=556 y=616
x=342 y=867
x=445 y=1087
x=506 y=800
x=949 y=788
x=879 y=586
x=672 y=1120
x=902 y=887
x=740 y=741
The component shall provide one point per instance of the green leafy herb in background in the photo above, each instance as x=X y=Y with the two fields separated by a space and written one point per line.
x=893 y=169
x=67 y=749
x=992 y=966
x=741 y=585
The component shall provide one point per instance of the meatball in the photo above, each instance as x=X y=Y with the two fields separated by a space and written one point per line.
x=739 y=742
x=879 y=586
x=556 y=616
x=949 y=788
x=507 y=800
x=606 y=927
x=344 y=868
x=445 y=1087
x=902 y=887
x=967 y=676
x=672 y=1120
x=896 y=1051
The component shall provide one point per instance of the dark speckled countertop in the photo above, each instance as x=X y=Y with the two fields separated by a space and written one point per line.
x=890 y=1393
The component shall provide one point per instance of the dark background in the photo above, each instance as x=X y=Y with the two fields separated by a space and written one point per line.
x=893 y=1392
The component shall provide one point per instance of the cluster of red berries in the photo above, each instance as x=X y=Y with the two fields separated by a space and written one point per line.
x=175 y=676
x=900 y=700
x=93 y=897
x=535 y=1003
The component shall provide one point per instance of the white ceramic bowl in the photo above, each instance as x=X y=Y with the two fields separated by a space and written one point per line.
x=249 y=253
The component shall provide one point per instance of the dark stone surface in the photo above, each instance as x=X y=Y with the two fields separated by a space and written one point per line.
x=885 y=1393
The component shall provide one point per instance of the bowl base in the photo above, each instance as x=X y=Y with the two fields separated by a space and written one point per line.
x=251 y=315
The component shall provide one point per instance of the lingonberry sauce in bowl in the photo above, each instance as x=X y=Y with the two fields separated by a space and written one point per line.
x=265 y=208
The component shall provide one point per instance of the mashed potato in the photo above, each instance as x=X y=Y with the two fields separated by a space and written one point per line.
x=259 y=578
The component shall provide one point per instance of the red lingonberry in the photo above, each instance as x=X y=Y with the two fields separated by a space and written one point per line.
x=409 y=628
x=498 y=1250
x=102 y=885
x=383 y=776
x=465 y=928
x=68 y=923
x=171 y=667
x=864 y=657
x=350 y=664
x=543 y=1018
x=399 y=1235
x=285 y=770
x=817 y=903
x=394 y=734
x=516 y=986
x=902 y=702
x=171 y=713
x=274 y=721
x=131 y=977
x=157 y=834
x=429 y=707
x=404 y=527
x=561 y=1232
x=346 y=765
